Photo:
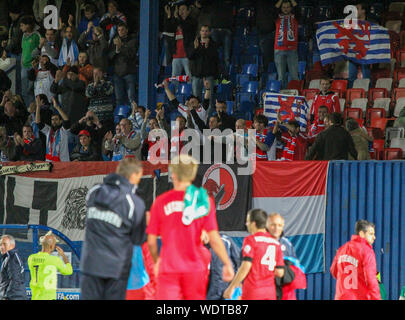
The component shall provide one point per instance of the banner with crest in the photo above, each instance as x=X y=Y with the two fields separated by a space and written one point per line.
x=367 y=43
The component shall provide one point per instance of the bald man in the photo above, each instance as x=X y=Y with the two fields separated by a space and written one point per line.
x=293 y=277
x=43 y=269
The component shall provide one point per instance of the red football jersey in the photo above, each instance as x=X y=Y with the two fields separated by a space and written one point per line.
x=330 y=100
x=265 y=254
x=182 y=250
x=355 y=270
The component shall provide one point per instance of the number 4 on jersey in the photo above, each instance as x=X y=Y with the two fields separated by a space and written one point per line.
x=269 y=257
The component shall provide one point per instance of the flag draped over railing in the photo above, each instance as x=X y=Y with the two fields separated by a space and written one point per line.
x=291 y=107
x=367 y=44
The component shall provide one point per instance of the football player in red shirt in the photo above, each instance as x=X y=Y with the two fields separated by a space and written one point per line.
x=262 y=261
x=181 y=267
x=355 y=268
x=325 y=98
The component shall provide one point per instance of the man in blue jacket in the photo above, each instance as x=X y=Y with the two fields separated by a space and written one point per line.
x=11 y=271
x=115 y=222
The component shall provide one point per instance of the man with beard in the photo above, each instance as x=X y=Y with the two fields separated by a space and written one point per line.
x=57 y=135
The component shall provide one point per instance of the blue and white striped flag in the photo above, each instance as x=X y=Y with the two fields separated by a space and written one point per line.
x=367 y=44
x=291 y=107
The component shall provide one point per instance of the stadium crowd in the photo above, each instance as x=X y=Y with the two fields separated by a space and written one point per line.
x=76 y=87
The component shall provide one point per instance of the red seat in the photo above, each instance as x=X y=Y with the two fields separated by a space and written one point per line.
x=399 y=73
x=392 y=153
x=398 y=93
x=352 y=94
x=310 y=93
x=401 y=55
x=374 y=114
x=339 y=92
x=378 y=146
x=375 y=93
x=355 y=113
x=296 y=84
x=379 y=73
x=340 y=85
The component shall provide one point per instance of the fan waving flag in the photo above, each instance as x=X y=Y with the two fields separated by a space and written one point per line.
x=291 y=107
x=297 y=191
x=367 y=44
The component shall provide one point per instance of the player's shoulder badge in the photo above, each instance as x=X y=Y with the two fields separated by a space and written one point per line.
x=247 y=248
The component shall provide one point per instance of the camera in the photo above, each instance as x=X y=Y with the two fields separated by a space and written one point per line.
x=90 y=118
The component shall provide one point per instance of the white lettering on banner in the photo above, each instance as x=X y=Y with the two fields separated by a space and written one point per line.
x=52 y=19
x=174 y=206
x=104 y=215
x=266 y=239
x=349 y=259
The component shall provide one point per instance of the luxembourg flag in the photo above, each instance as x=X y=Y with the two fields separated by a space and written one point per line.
x=367 y=43
x=291 y=107
x=297 y=191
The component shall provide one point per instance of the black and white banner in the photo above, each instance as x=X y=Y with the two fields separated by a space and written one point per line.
x=58 y=199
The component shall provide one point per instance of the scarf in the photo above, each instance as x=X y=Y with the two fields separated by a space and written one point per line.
x=286 y=31
x=72 y=53
x=29 y=140
x=196 y=204
x=53 y=146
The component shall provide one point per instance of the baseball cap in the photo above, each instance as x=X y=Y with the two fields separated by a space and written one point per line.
x=84 y=133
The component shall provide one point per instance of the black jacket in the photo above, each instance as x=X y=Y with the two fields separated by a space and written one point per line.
x=12 y=282
x=204 y=61
x=124 y=62
x=334 y=143
x=92 y=155
x=73 y=97
x=115 y=222
x=33 y=151
x=189 y=30
x=216 y=286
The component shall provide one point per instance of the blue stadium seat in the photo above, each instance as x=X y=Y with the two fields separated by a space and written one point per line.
x=184 y=89
x=241 y=79
x=224 y=91
x=250 y=69
x=302 y=51
x=271 y=68
x=301 y=69
x=122 y=110
x=229 y=107
x=251 y=87
x=273 y=85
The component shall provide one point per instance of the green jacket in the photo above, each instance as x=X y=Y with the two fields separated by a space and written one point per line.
x=29 y=43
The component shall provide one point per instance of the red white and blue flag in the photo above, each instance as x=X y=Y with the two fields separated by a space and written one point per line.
x=367 y=43
x=297 y=191
x=291 y=108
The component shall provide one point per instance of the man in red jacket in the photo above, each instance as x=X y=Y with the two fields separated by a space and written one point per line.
x=354 y=266
x=325 y=98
